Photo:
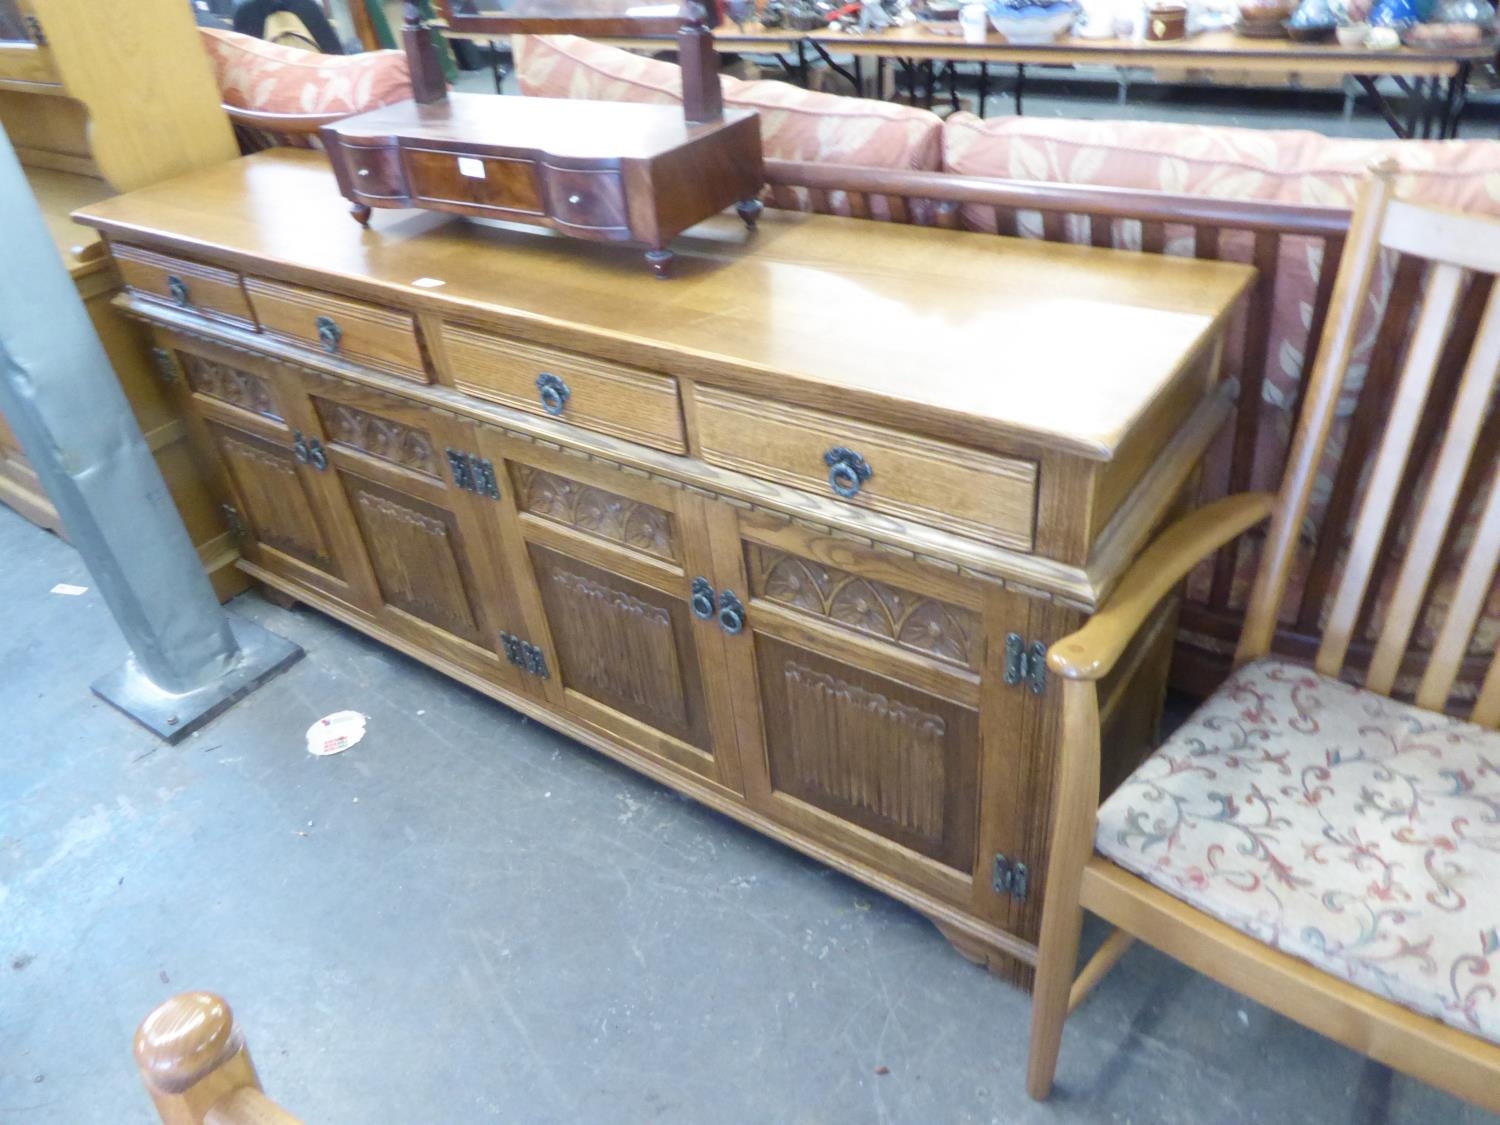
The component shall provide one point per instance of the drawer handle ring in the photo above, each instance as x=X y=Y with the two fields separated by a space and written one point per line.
x=553 y=392
x=178 y=289
x=329 y=333
x=703 y=599
x=300 y=449
x=317 y=456
x=731 y=613
x=847 y=471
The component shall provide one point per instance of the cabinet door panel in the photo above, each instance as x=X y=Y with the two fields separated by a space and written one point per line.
x=872 y=751
x=284 y=526
x=609 y=559
x=624 y=644
x=432 y=574
x=417 y=553
x=858 y=724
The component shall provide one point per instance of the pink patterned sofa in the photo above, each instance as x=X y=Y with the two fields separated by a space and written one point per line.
x=1277 y=198
x=282 y=95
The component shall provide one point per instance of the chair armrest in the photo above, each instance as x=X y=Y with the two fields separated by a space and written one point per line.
x=1091 y=652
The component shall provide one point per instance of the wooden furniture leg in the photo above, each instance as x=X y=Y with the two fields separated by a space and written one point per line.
x=1075 y=801
x=749 y=210
x=660 y=262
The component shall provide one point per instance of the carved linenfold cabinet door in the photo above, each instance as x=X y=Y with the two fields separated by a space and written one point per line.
x=612 y=560
x=418 y=495
x=872 y=709
x=244 y=412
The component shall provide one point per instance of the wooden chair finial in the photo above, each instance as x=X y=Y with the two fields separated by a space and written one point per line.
x=184 y=1039
x=190 y=1054
x=1386 y=167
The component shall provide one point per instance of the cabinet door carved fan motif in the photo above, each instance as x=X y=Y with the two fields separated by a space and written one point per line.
x=607 y=171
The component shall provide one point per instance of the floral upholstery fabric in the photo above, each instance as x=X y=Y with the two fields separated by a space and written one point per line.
x=795 y=124
x=1359 y=834
x=260 y=76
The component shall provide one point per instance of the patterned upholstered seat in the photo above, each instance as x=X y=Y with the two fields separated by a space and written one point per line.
x=1357 y=833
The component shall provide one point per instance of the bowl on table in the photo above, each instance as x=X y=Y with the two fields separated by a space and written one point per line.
x=1264 y=21
x=1037 y=21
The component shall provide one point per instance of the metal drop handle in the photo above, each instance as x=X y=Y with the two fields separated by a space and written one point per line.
x=300 y=448
x=329 y=333
x=731 y=613
x=702 y=601
x=317 y=456
x=178 y=289
x=847 y=471
x=553 y=392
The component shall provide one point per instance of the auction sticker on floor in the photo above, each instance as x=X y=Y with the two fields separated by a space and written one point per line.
x=335 y=733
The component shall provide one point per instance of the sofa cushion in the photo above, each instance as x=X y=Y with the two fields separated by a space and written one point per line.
x=1351 y=831
x=266 y=78
x=795 y=124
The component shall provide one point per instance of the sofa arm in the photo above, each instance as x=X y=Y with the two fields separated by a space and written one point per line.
x=1091 y=652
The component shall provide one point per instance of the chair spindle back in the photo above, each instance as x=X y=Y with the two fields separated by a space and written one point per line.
x=1437 y=445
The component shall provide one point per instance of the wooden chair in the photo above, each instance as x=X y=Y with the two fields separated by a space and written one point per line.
x=1234 y=847
x=197 y=1069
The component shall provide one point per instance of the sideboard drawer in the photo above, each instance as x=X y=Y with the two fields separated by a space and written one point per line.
x=636 y=405
x=205 y=290
x=964 y=490
x=350 y=329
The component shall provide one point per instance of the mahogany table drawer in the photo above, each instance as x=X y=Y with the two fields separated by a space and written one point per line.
x=964 y=490
x=591 y=200
x=206 y=290
x=637 y=405
x=500 y=183
x=340 y=326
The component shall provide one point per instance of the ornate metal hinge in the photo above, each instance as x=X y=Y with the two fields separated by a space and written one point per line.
x=524 y=655
x=235 y=521
x=165 y=365
x=473 y=474
x=536 y=663
x=1025 y=663
x=1010 y=877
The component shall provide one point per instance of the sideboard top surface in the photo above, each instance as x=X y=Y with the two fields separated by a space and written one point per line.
x=1064 y=346
x=564 y=127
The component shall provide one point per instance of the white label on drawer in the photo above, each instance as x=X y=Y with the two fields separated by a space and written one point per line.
x=428 y=282
x=471 y=166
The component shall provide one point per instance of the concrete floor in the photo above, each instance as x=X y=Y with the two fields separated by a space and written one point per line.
x=467 y=918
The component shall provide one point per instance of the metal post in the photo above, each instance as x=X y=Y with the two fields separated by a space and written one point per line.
x=189 y=659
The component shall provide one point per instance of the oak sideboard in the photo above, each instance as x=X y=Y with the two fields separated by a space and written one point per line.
x=790 y=532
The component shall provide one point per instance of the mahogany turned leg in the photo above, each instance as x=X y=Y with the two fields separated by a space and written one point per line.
x=749 y=210
x=661 y=263
x=361 y=213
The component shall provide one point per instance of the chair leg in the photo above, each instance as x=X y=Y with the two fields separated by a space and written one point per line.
x=1057 y=957
x=1075 y=803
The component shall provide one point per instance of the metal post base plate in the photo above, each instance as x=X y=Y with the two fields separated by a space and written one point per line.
x=263 y=655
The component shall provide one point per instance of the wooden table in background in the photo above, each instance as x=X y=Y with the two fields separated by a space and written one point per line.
x=1435 y=79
